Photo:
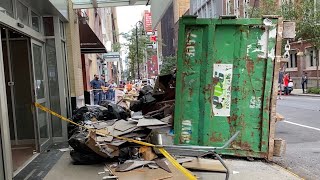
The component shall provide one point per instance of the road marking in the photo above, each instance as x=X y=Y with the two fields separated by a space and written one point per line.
x=301 y=125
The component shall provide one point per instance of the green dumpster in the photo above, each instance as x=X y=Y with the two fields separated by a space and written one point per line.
x=225 y=74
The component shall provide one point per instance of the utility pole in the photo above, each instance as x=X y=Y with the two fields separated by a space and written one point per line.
x=137 y=46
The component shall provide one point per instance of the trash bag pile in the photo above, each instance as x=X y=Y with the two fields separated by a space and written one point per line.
x=149 y=116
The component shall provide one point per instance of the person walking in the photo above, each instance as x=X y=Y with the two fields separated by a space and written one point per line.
x=286 y=83
x=96 y=86
x=113 y=85
x=103 y=87
x=304 y=82
x=280 y=83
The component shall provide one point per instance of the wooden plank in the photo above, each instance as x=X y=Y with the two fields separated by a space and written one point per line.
x=279 y=147
x=279 y=117
x=273 y=103
x=205 y=165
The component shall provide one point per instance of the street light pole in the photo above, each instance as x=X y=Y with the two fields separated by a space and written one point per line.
x=137 y=47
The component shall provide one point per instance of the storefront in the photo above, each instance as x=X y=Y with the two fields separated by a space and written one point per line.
x=32 y=69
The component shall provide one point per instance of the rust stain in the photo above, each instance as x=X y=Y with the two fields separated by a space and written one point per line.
x=252 y=134
x=250 y=66
x=234 y=118
x=219 y=62
x=215 y=137
x=245 y=146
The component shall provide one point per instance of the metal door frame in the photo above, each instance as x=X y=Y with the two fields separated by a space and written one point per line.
x=46 y=99
x=4 y=123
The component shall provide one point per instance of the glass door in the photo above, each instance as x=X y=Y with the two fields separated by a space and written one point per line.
x=41 y=94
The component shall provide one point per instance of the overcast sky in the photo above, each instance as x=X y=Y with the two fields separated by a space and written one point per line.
x=128 y=16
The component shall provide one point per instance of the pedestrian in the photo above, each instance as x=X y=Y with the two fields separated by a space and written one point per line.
x=286 y=83
x=96 y=87
x=109 y=93
x=280 y=83
x=304 y=82
x=113 y=85
x=128 y=86
x=103 y=87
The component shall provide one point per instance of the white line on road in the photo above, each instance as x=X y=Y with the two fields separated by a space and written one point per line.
x=301 y=125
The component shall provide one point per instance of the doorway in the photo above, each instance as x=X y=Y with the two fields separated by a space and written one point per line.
x=18 y=76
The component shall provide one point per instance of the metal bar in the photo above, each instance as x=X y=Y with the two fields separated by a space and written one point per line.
x=13 y=102
x=202 y=147
x=224 y=165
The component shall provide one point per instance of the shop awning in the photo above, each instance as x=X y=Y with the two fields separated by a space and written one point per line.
x=158 y=7
x=85 y=4
x=89 y=42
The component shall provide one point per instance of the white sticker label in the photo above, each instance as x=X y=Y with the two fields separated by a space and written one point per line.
x=221 y=100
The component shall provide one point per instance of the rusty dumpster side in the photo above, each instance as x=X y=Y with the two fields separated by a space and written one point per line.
x=225 y=74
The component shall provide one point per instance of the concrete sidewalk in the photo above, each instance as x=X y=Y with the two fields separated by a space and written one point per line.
x=240 y=170
x=298 y=92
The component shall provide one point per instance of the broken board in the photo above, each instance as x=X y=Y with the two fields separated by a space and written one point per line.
x=123 y=125
x=205 y=165
x=150 y=122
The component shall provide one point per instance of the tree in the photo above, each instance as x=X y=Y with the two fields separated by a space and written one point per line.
x=168 y=64
x=132 y=47
x=306 y=14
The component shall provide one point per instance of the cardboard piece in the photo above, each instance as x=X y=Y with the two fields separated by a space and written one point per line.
x=147 y=153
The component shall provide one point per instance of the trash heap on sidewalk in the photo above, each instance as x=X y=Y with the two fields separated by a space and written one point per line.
x=143 y=116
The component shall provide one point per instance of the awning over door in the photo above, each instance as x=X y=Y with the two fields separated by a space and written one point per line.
x=89 y=42
x=158 y=7
x=85 y=4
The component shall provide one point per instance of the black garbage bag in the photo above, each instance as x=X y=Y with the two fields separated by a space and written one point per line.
x=86 y=113
x=118 y=111
x=146 y=101
x=72 y=129
x=78 y=142
x=80 y=158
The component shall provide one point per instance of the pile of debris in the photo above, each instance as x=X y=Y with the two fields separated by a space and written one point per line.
x=150 y=116
x=147 y=116
x=91 y=147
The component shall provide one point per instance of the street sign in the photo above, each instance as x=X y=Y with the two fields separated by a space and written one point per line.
x=111 y=56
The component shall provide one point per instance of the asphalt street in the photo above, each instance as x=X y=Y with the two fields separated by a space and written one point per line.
x=301 y=130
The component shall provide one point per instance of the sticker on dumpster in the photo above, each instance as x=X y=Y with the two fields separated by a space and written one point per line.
x=186 y=131
x=255 y=102
x=221 y=101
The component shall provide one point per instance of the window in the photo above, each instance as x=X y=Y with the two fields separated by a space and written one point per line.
x=228 y=7
x=236 y=8
x=23 y=13
x=48 y=26
x=35 y=21
x=311 y=57
x=6 y=7
x=293 y=60
x=246 y=6
x=62 y=31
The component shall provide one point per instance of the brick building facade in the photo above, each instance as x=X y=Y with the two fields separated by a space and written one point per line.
x=302 y=59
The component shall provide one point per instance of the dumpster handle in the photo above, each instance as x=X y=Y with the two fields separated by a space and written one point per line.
x=202 y=147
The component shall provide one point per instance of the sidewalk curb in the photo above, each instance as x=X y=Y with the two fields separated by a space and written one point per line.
x=287 y=170
x=307 y=95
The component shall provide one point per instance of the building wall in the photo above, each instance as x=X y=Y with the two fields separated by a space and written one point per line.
x=167 y=31
x=74 y=57
x=303 y=64
x=180 y=7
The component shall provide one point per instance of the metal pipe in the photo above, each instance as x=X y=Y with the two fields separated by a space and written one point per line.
x=202 y=147
x=224 y=165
